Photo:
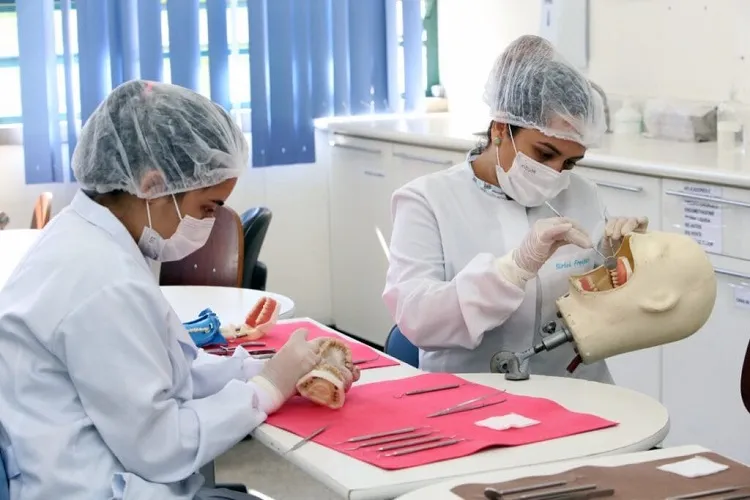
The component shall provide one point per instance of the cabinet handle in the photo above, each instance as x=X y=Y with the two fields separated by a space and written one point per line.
x=733 y=274
x=360 y=149
x=621 y=187
x=372 y=173
x=406 y=156
x=714 y=199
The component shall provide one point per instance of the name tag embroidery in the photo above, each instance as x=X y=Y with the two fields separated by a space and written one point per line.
x=572 y=264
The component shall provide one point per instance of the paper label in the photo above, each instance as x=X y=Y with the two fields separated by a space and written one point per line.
x=741 y=296
x=702 y=219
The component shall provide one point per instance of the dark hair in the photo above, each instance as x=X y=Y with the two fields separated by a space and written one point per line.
x=487 y=140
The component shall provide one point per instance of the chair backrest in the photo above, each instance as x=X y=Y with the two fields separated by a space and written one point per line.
x=42 y=211
x=4 y=486
x=255 y=222
x=398 y=346
x=745 y=380
x=218 y=263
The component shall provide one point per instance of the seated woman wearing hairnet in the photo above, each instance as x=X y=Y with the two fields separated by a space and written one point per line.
x=478 y=254
x=103 y=393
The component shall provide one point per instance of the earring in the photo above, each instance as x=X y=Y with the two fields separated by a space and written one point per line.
x=496 y=141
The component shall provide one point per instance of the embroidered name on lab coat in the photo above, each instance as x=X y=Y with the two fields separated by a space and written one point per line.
x=570 y=264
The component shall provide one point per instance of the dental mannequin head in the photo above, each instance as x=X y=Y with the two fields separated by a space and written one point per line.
x=666 y=292
x=161 y=158
x=541 y=107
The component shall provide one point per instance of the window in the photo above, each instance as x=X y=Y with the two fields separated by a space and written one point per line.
x=10 y=85
x=239 y=63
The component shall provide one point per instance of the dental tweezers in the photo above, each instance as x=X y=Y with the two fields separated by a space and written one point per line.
x=464 y=408
x=368 y=437
x=392 y=439
x=306 y=440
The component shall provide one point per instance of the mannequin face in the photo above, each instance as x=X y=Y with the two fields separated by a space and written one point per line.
x=666 y=289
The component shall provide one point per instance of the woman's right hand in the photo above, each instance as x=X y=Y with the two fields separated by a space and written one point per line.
x=293 y=361
x=544 y=238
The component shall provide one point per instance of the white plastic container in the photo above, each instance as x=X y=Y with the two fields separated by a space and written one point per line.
x=628 y=120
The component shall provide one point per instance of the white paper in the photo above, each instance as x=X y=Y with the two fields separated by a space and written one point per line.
x=505 y=422
x=702 y=219
x=694 y=467
x=741 y=297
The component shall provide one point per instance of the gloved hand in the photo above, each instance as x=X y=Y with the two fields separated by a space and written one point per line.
x=617 y=227
x=537 y=247
x=294 y=360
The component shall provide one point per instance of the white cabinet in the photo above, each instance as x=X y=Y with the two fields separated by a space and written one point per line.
x=360 y=220
x=411 y=162
x=715 y=215
x=633 y=195
x=701 y=373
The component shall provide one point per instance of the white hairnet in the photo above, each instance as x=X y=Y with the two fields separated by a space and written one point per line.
x=145 y=127
x=532 y=86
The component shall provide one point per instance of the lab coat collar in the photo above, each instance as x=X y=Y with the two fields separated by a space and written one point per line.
x=488 y=188
x=101 y=217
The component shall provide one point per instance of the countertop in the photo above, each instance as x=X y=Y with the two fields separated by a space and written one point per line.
x=697 y=162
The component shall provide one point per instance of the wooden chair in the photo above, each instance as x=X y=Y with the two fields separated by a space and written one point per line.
x=745 y=380
x=42 y=211
x=218 y=263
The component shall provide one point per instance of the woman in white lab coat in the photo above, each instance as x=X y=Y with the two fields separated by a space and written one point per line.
x=103 y=395
x=478 y=254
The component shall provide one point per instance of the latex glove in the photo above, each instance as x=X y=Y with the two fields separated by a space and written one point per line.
x=282 y=372
x=537 y=247
x=617 y=227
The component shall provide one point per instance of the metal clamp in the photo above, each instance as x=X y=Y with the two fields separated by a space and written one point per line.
x=712 y=199
x=620 y=187
x=351 y=147
x=406 y=156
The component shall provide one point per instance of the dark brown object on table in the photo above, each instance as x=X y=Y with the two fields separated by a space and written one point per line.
x=638 y=481
x=745 y=380
x=42 y=211
x=218 y=263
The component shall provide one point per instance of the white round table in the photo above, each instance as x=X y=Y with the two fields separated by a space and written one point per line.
x=230 y=304
x=643 y=423
x=14 y=243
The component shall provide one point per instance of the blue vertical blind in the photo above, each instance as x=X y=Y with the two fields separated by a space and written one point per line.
x=305 y=59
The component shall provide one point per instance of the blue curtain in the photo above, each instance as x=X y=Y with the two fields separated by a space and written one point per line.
x=308 y=59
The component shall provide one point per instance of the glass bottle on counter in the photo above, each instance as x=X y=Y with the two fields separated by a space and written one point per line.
x=729 y=126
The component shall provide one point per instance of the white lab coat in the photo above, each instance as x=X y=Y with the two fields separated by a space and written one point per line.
x=103 y=395
x=443 y=289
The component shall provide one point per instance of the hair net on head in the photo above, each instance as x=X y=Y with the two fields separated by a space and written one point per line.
x=143 y=128
x=532 y=86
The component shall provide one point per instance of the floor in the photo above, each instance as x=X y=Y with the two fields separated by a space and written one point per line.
x=259 y=468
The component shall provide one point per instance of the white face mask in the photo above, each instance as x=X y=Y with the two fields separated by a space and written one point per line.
x=191 y=235
x=529 y=182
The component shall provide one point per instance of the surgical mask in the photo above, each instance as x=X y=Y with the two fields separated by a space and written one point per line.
x=191 y=235
x=529 y=182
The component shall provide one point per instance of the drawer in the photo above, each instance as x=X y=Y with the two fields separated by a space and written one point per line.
x=716 y=216
x=627 y=194
x=411 y=162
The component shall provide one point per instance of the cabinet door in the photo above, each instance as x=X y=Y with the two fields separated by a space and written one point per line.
x=702 y=372
x=360 y=195
x=411 y=162
x=628 y=194
x=714 y=215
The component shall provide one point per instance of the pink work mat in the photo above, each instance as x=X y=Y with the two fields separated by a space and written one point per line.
x=374 y=408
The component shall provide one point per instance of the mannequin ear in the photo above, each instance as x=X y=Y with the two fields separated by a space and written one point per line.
x=659 y=302
x=152 y=183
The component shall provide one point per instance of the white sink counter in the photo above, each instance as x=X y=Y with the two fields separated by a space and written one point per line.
x=688 y=161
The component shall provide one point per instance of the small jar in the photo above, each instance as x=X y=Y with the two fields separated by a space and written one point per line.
x=628 y=120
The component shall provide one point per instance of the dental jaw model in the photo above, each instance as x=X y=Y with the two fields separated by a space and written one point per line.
x=662 y=290
x=259 y=321
x=332 y=377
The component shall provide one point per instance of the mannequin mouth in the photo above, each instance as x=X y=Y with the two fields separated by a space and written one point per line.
x=603 y=279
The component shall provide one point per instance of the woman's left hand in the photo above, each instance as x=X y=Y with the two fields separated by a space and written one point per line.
x=617 y=227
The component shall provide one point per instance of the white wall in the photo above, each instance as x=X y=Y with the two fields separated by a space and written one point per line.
x=686 y=49
x=296 y=249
